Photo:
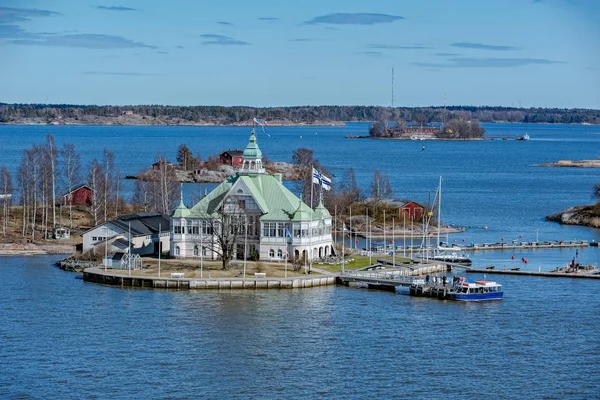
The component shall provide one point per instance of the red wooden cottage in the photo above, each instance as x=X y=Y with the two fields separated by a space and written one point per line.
x=232 y=157
x=412 y=209
x=80 y=196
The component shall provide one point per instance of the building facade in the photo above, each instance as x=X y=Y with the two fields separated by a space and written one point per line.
x=148 y=232
x=272 y=223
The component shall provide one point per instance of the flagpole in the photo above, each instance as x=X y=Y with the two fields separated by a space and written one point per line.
x=335 y=226
x=201 y=247
x=351 y=240
x=384 y=239
x=393 y=243
x=404 y=235
x=245 y=242
x=159 y=249
x=310 y=236
x=129 y=248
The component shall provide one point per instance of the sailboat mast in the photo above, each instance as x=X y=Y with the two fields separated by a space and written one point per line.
x=439 y=211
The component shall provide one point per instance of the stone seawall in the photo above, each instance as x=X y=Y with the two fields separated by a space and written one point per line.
x=98 y=275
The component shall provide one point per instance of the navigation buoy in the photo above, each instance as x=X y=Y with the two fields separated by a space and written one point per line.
x=513 y=257
x=502 y=238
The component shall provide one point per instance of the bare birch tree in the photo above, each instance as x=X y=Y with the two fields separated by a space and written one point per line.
x=6 y=189
x=72 y=166
x=108 y=162
x=226 y=230
x=52 y=154
x=95 y=182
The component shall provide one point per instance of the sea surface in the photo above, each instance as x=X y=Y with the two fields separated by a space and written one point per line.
x=63 y=338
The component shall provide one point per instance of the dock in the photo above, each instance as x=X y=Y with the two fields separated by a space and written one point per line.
x=581 y=275
x=515 y=245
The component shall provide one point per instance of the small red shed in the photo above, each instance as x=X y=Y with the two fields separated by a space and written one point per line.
x=412 y=209
x=80 y=196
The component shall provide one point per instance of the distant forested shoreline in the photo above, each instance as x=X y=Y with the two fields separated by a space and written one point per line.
x=59 y=114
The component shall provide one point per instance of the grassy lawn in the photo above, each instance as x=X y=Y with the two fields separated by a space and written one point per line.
x=359 y=262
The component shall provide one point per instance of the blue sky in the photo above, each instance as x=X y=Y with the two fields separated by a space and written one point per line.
x=276 y=53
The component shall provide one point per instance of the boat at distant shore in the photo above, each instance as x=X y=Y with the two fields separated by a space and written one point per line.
x=524 y=137
x=451 y=257
x=464 y=290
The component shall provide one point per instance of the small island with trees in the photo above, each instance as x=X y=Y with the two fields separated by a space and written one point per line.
x=455 y=129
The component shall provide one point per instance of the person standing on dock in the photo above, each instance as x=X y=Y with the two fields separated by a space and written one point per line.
x=427 y=279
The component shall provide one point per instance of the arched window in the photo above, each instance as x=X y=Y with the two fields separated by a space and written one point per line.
x=196 y=251
x=177 y=251
x=279 y=254
x=203 y=251
x=271 y=253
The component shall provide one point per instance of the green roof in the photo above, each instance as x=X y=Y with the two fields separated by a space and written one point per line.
x=276 y=201
x=252 y=151
x=181 y=211
x=321 y=211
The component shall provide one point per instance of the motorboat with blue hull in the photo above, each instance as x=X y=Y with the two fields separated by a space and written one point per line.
x=476 y=291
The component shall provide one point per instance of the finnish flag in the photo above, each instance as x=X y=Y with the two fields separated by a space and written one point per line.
x=326 y=182
x=316 y=177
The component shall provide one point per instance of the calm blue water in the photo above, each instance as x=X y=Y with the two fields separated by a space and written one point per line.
x=63 y=338
x=491 y=183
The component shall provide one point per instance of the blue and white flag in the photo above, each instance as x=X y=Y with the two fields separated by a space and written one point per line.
x=326 y=182
x=287 y=233
x=262 y=125
x=316 y=177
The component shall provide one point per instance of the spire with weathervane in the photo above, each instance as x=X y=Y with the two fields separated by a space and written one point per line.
x=252 y=164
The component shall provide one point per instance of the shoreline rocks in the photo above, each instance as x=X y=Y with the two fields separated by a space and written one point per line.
x=573 y=163
x=578 y=215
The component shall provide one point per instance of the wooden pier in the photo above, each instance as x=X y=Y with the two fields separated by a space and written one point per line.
x=391 y=280
x=515 y=245
x=581 y=275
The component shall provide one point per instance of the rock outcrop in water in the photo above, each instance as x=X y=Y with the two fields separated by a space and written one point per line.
x=579 y=215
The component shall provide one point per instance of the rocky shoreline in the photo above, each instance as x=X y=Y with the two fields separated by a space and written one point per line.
x=579 y=215
x=573 y=163
x=288 y=171
x=26 y=249
x=142 y=120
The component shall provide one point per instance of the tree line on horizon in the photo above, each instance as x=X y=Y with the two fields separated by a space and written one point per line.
x=220 y=115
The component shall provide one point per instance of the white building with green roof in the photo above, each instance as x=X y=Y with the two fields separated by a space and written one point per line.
x=277 y=222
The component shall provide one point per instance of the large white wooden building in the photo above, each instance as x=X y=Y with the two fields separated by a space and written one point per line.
x=278 y=223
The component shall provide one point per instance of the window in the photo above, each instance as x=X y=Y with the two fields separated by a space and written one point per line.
x=177 y=229
x=177 y=251
x=270 y=229
x=280 y=229
x=94 y=238
x=203 y=251
x=195 y=228
x=242 y=204
x=279 y=253
x=272 y=253
x=195 y=251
